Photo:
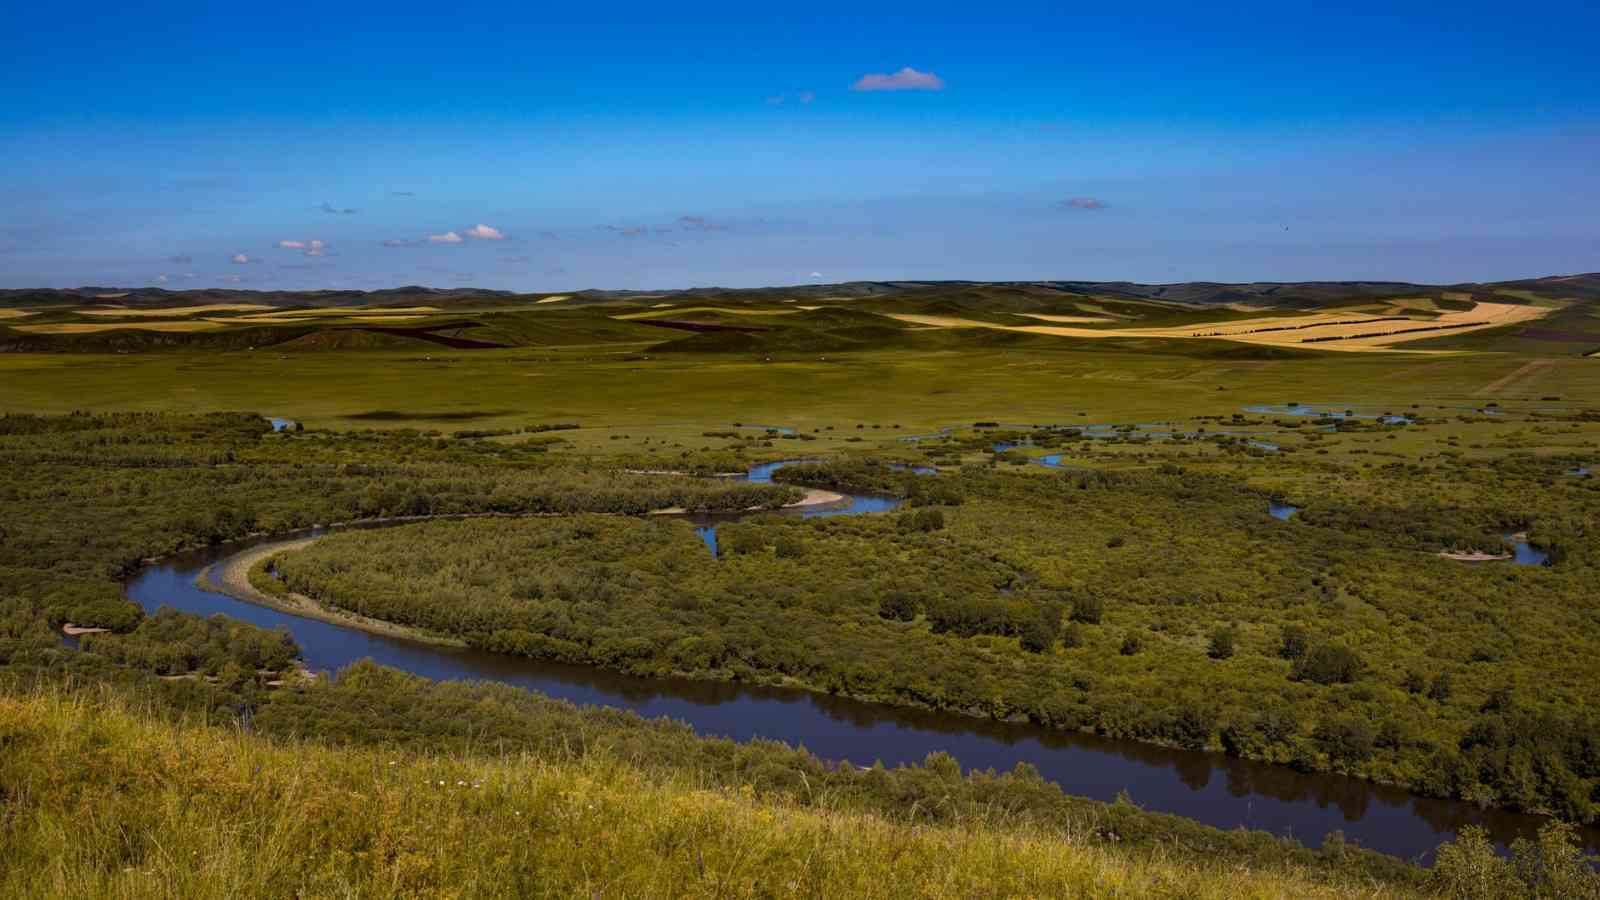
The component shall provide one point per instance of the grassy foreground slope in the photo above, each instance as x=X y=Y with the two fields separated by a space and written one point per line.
x=102 y=801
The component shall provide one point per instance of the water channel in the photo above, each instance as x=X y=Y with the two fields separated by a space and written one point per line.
x=1212 y=788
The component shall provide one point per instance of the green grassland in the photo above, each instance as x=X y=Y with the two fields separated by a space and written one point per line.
x=1161 y=540
x=1040 y=380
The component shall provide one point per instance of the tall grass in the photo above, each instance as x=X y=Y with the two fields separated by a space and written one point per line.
x=99 y=800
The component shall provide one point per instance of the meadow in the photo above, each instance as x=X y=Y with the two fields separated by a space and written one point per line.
x=1093 y=553
x=195 y=812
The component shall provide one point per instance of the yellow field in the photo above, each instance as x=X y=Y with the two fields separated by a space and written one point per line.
x=354 y=311
x=717 y=309
x=949 y=322
x=556 y=299
x=92 y=327
x=363 y=319
x=1067 y=319
x=14 y=313
x=1301 y=328
x=157 y=312
x=349 y=312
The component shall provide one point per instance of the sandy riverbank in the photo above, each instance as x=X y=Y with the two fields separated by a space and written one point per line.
x=815 y=498
x=232 y=577
x=1474 y=556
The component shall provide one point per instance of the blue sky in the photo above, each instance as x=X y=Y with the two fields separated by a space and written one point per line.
x=636 y=146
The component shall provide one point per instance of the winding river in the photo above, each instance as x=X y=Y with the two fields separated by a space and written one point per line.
x=1212 y=788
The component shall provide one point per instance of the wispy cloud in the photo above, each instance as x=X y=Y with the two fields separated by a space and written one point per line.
x=815 y=275
x=776 y=100
x=309 y=248
x=806 y=96
x=233 y=279
x=180 y=260
x=550 y=235
x=699 y=223
x=337 y=211
x=907 y=79
x=1084 y=203
x=479 y=232
x=240 y=259
x=162 y=279
x=403 y=193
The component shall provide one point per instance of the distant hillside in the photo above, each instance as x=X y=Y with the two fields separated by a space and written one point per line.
x=1542 y=316
x=1306 y=294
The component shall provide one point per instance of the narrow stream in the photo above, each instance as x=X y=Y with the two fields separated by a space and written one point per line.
x=1212 y=788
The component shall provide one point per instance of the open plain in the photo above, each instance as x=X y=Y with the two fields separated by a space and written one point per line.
x=1103 y=549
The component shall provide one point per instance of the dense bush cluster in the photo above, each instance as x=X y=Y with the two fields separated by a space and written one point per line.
x=175 y=643
x=1164 y=607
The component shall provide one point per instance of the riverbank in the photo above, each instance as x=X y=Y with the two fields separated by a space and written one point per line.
x=815 y=499
x=232 y=577
x=1216 y=791
x=1474 y=556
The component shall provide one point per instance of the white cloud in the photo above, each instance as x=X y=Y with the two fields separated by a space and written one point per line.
x=239 y=259
x=162 y=279
x=1084 y=203
x=311 y=247
x=807 y=96
x=397 y=242
x=815 y=275
x=449 y=237
x=907 y=79
x=485 y=233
